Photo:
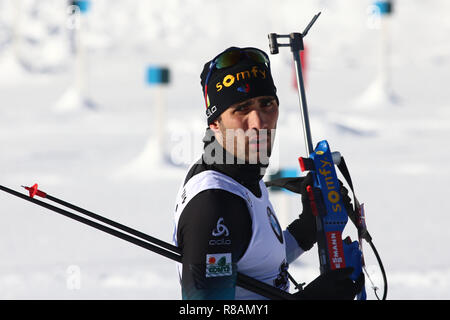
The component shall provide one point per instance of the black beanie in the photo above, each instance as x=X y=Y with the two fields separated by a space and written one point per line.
x=245 y=80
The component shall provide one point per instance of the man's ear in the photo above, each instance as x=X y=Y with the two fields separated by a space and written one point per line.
x=214 y=126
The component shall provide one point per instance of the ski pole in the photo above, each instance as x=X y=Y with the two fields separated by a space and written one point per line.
x=34 y=191
x=167 y=250
x=162 y=251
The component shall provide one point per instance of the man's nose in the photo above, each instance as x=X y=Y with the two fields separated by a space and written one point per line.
x=255 y=120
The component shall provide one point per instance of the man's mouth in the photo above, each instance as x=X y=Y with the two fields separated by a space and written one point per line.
x=258 y=143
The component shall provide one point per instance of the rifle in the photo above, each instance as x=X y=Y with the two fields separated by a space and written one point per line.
x=325 y=194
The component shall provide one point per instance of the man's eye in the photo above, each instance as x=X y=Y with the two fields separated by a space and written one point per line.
x=268 y=103
x=240 y=108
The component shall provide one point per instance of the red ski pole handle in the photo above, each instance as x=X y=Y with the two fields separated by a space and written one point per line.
x=34 y=191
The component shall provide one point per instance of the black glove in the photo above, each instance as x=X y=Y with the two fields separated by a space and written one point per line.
x=332 y=285
x=304 y=228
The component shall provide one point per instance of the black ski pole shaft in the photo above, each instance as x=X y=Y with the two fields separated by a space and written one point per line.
x=162 y=251
x=102 y=219
x=262 y=288
x=115 y=224
x=242 y=280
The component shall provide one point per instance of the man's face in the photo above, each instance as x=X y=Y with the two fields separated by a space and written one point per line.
x=247 y=129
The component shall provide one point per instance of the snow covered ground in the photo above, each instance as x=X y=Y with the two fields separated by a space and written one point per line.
x=107 y=159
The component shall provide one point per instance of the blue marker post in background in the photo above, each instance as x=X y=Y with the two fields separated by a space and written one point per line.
x=384 y=7
x=80 y=8
x=380 y=93
x=384 y=10
x=152 y=159
x=83 y=5
x=76 y=96
x=159 y=78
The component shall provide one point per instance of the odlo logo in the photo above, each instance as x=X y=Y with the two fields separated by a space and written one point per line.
x=218 y=265
x=220 y=229
x=210 y=111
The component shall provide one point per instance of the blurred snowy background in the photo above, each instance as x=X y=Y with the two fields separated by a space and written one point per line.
x=78 y=117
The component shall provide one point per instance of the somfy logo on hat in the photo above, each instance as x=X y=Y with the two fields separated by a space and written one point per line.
x=230 y=79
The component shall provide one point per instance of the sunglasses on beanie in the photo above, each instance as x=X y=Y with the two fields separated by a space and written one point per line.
x=231 y=57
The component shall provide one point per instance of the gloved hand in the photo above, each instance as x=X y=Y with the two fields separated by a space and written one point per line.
x=304 y=228
x=332 y=285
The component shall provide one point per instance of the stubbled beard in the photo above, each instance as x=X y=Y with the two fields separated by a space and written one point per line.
x=251 y=146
